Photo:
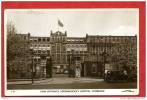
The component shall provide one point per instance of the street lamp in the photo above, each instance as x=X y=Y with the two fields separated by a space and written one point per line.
x=69 y=70
x=104 y=54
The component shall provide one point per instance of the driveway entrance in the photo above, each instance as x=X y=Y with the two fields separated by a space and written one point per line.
x=60 y=75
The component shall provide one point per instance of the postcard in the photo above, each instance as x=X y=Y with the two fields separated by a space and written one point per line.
x=73 y=49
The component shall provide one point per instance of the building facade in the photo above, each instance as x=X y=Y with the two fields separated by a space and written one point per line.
x=41 y=52
x=58 y=42
x=91 y=51
x=121 y=51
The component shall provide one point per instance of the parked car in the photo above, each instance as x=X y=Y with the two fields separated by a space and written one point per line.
x=115 y=76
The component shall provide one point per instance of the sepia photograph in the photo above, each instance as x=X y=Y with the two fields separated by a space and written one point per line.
x=71 y=52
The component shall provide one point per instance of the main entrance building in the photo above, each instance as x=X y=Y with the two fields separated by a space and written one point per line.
x=90 y=52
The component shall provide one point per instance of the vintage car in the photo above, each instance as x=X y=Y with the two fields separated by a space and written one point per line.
x=115 y=76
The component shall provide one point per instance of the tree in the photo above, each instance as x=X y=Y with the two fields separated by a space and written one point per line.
x=11 y=29
x=119 y=57
x=17 y=50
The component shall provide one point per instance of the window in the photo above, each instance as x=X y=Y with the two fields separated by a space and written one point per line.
x=113 y=39
x=94 y=68
x=39 y=51
x=107 y=39
x=58 y=48
x=35 y=51
x=25 y=37
x=52 y=38
x=35 y=45
x=118 y=39
x=63 y=39
x=104 y=39
x=48 y=51
x=53 y=48
x=58 y=39
x=35 y=59
x=39 y=39
x=48 y=39
x=68 y=52
x=31 y=40
x=63 y=58
x=110 y=40
x=63 y=48
x=58 y=57
x=35 y=40
x=124 y=40
x=44 y=39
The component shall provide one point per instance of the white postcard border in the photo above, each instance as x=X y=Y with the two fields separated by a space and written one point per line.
x=61 y=92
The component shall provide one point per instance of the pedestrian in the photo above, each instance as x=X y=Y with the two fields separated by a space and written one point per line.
x=125 y=74
x=77 y=72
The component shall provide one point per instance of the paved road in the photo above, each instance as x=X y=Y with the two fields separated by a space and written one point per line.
x=92 y=85
x=69 y=83
x=57 y=80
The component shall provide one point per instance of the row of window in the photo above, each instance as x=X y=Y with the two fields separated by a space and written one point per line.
x=22 y=36
x=77 y=52
x=110 y=50
x=71 y=46
x=42 y=51
x=74 y=40
x=40 y=40
x=76 y=45
x=58 y=48
x=58 y=39
x=111 y=39
x=40 y=45
x=64 y=38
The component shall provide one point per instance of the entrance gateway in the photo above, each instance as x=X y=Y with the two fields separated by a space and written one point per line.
x=67 y=57
x=60 y=71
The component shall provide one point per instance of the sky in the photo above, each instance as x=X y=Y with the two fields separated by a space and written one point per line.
x=77 y=22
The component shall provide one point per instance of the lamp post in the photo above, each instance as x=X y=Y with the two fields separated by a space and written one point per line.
x=69 y=70
x=104 y=54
